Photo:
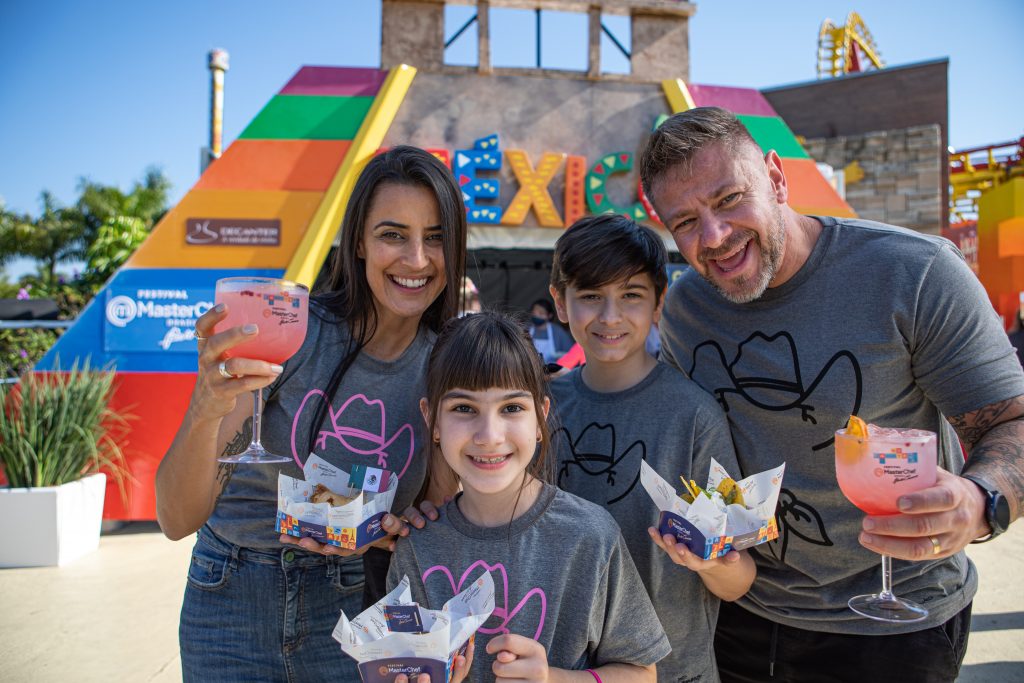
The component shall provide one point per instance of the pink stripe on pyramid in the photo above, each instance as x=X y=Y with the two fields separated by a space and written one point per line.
x=342 y=82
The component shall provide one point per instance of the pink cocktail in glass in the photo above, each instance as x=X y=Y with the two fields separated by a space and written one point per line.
x=873 y=472
x=280 y=309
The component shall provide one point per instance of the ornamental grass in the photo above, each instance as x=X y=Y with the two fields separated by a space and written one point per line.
x=57 y=427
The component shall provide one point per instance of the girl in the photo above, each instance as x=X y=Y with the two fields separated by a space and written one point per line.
x=569 y=602
x=254 y=609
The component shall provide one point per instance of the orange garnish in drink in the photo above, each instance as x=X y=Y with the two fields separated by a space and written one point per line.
x=857 y=427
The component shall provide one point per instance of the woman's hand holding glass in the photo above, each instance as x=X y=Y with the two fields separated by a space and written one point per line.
x=215 y=396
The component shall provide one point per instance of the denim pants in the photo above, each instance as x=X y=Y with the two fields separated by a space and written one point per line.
x=251 y=615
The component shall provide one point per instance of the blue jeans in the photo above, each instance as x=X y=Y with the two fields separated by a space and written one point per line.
x=252 y=615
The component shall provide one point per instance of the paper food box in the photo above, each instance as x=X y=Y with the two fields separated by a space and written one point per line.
x=708 y=526
x=334 y=507
x=397 y=636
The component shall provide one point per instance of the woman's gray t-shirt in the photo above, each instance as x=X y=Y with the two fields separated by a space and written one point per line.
x=373 y=420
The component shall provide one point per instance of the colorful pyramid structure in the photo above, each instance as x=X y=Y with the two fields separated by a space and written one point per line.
x=269 y=206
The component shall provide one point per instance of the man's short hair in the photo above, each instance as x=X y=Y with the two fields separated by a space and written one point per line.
x=680 y=137
x=598 y=250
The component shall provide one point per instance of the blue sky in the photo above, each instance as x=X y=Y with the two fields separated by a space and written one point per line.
x=103 y=90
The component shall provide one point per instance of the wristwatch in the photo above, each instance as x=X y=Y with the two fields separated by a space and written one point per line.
x=997 y=508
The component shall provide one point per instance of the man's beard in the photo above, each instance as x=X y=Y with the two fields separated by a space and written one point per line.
x=746 y=289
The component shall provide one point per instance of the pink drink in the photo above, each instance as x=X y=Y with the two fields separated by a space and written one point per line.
x=278 y=307
x=874 y=472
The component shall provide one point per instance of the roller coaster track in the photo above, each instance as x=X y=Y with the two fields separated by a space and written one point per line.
x=846 y=49
x=973 y=171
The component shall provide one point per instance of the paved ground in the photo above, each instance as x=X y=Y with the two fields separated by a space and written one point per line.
x=113 y=615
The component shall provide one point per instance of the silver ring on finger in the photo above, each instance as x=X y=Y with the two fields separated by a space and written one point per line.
x=222 y=368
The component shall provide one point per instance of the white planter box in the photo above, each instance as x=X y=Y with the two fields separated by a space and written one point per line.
x=53 y=525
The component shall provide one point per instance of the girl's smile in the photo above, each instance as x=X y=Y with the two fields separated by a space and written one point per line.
x=489 y=438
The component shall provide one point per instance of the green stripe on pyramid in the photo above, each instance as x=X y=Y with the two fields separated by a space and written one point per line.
x=309 y=117
x=771 y=132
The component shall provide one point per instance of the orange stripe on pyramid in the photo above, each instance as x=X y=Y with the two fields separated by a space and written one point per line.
x=810 y=193
x=166 y=247
x=300 y=165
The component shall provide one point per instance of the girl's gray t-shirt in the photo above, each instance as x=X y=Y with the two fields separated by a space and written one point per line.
x=562 y=576
x=673 y=425
x=374 y=420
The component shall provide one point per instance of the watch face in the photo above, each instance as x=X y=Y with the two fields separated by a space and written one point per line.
x=1000 y=510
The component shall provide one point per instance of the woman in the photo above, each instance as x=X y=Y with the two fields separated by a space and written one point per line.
x=255 y=609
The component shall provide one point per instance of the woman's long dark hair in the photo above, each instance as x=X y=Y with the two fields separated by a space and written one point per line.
x=346 y=293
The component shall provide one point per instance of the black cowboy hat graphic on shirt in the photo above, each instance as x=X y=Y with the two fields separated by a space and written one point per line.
x=594 y=453
x=783 y=387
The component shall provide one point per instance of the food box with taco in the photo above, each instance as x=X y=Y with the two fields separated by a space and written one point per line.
x=334 y=507
x=398 y=636
x=725 y=515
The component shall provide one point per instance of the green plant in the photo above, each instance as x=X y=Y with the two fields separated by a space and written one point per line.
x=57 y=427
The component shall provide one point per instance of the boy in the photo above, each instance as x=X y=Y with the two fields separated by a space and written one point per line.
x=608 y=281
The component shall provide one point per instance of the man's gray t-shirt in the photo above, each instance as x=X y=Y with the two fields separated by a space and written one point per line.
x=881 y=322
x=373 y=420
x=677 y=428
x=562 y=576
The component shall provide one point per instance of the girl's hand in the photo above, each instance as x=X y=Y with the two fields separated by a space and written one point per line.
x=681 y=555
x=518 y=657
x=459 y=673
x=215 y=395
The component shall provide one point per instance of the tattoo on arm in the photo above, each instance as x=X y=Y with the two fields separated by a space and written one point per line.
x=238 y=444
x=994 y=437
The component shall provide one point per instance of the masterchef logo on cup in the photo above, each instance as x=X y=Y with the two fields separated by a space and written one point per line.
x=234 y=232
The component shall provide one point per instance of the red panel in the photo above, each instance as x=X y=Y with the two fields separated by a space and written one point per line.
x=329 y=80
x=157 y=402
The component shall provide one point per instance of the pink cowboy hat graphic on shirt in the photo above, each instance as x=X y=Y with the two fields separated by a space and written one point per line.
x=392 y=452
x=501 y=601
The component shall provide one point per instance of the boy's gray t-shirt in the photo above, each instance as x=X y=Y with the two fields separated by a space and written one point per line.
x=881 y=322
x=373 y=420
x=562 y=576
x=677 y=428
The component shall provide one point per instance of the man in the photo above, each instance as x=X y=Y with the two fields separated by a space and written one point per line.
x=795 y=322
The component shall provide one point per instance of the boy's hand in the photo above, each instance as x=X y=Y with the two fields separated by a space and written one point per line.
x=519 y=658
x=681 y=555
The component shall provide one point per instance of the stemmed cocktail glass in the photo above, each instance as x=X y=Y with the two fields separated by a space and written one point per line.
x=874 y=470
x=280 y=309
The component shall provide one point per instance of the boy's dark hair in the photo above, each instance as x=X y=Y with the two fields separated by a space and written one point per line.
x=598 y=250
x=478 y=352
